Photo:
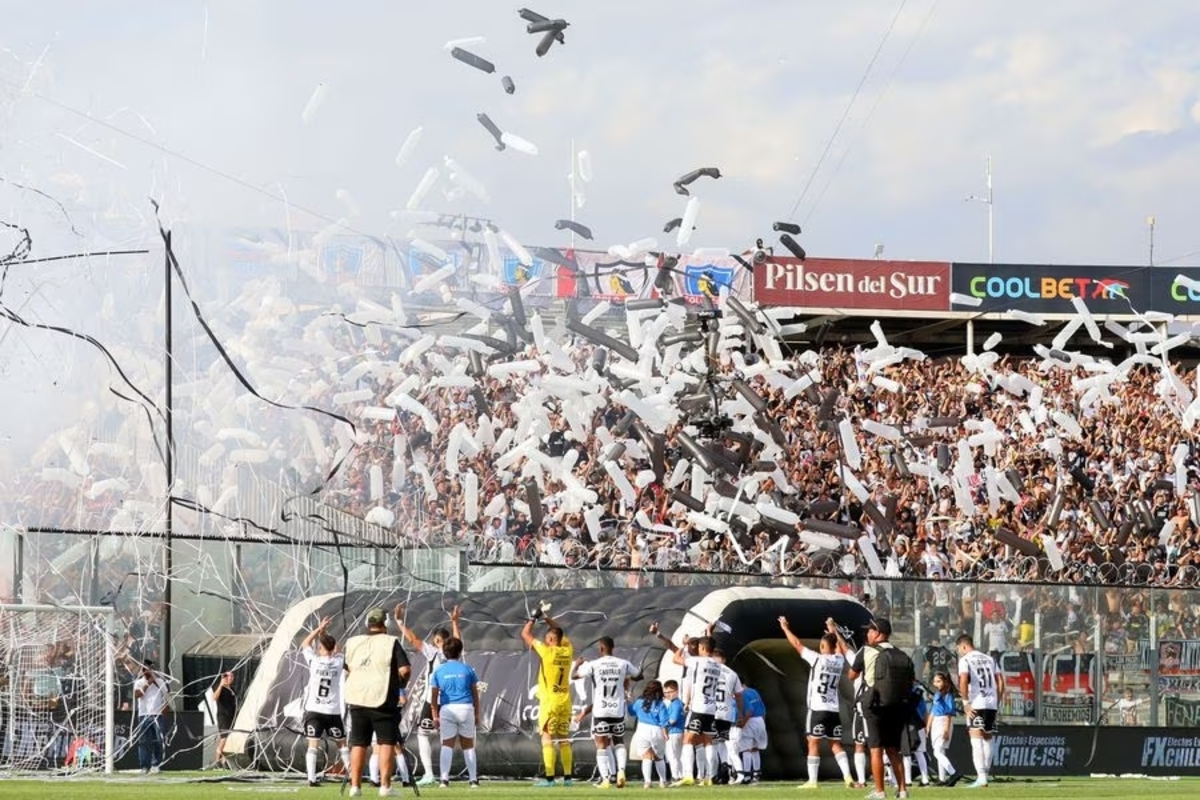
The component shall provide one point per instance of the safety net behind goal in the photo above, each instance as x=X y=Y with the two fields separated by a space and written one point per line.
x=57 y=688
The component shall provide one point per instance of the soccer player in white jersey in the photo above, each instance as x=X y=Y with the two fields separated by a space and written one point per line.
x=431 y=651
x=982 y=689
x=824 y=720
x=609 y=679
x=729 y=713
x=703 y=684
x=323 y=697
x=858 y=718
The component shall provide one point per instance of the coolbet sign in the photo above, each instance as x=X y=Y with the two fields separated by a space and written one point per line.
x=853 y=283
x=1050 y=289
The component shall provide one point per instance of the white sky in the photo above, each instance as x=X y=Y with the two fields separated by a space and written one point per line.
x=1089 y=108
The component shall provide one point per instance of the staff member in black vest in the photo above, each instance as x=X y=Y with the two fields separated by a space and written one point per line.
x=377 y=670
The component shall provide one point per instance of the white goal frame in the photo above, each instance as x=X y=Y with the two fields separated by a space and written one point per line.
x=104 y=617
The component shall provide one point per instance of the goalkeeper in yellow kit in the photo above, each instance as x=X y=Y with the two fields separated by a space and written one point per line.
x=554 y=693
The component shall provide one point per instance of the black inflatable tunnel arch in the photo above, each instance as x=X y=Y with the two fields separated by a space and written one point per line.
x=267 y=732
x=758 y=652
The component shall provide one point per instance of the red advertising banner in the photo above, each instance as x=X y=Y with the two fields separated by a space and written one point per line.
x=868 y=284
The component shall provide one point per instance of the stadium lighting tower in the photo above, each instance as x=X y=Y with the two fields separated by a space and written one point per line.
x=1151 y=223
x=988 y=198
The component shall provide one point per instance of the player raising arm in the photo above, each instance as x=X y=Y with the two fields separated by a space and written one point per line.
x=323 y=697
x=432 y=651
x=555 y=655
x=824 y=721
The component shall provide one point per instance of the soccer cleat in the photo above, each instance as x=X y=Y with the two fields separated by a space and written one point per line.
x=355 y=791
x=621 y=779
x=849 y=782
x=567 y=782
x=706 y=782
x=387 y=791
x=876 y=796
x=314 y=783
x=604 y=784
x=473 y=785
x=427 y=780
x=953 y=779
x=683 y=782
x=444 y=784
x=902 y=794
x=977 y=784
x=808 y=785
x=544 y=783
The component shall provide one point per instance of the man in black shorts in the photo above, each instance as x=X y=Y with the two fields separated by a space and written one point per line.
x=887 y=706
x=377 y=669
x=226 y=702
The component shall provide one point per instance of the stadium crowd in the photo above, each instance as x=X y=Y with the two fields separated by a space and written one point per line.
x=1121 y=519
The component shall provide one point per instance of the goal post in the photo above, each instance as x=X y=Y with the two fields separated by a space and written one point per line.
x=58 y=699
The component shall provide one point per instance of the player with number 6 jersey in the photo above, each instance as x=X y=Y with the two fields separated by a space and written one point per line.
x=322 y=705
x=824 y=720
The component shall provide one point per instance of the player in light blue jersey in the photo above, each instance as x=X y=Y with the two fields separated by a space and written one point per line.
x=454 y=702
x=676 y=716
x=753 y=738
x=650 y=738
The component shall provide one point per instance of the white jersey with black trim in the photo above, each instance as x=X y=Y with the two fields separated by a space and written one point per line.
x=980 y=669
x=825 y=673
x=730 y=688
x=434 y=658
x=325 y=673
x=605 y=678
x=705 y=681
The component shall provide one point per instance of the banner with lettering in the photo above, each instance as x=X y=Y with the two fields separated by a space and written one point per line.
x=845 y=283
x=1182 y=713
x=1055 y=751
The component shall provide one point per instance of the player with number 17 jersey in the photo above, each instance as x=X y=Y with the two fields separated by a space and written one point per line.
x=606 y=678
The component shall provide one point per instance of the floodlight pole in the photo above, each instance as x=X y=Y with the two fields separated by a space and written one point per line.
x=169 y=460
x=991 y=208
x=988 y=199
x=1151 y=222
x=571 y=181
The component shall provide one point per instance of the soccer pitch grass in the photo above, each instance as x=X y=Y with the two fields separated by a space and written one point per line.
x=181 y=788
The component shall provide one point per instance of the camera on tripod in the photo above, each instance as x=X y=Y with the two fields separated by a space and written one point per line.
x=761 y=253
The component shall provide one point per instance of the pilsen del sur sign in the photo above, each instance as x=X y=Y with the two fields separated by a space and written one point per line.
x=854 y=283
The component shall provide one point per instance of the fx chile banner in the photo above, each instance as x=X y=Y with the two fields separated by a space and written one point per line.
x=867 y=284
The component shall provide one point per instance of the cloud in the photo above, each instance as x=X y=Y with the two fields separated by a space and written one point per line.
x=1073 y=99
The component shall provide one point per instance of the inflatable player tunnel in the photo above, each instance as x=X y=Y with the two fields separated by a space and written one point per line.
x=267 y=731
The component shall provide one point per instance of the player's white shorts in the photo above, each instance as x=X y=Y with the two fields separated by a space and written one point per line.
x=647 y=738
x=457 y=720
x=941 y=737
x=735 y=739
x=753 y=736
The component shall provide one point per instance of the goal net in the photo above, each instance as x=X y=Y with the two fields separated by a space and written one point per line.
x=57 y=688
